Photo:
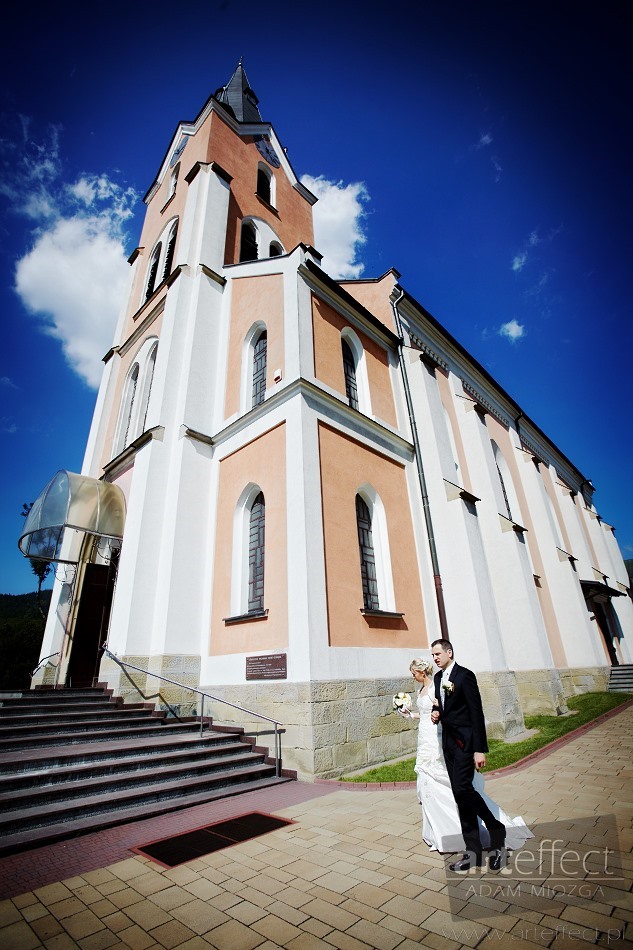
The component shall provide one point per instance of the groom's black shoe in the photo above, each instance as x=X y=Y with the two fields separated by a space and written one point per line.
x=466 y=862
x=498 y=859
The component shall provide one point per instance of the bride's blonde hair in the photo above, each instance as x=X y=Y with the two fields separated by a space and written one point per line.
x=422 y=666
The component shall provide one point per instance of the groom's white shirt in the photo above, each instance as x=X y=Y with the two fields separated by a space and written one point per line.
x=445 y=679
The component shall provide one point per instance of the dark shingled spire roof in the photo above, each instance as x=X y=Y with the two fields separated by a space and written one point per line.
x=239 y=98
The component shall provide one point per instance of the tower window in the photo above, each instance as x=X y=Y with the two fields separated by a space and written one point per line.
x=171 y=247
x=259 y=368
x=349 y=369
x=367 y=557
x=275 y=249
x=248 y=243
x=153 y=271
x=256 y=554
x=263 y=185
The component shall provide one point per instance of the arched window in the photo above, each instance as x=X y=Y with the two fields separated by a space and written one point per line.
x=153 y=270
x=173 y=181
x=367 y=556
x=259 y=368
x=355 y=371
x=170 y=250
x=128 y=407
x=248 y=243
x=136 y=394
x=275 y=249
x=147 y=386
x=349 y=369
x=264 y=179
x=256 y=554
x=162 y=258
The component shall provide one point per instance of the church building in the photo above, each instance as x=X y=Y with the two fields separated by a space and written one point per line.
x=294 y=484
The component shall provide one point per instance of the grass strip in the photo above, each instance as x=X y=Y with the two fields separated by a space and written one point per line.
x=586 y=707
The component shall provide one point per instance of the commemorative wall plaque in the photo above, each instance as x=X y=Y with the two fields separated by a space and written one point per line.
x=271 y=667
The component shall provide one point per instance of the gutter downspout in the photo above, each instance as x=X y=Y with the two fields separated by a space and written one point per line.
x=439 y=593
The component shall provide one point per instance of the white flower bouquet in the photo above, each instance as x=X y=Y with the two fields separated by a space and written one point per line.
x=402 y=702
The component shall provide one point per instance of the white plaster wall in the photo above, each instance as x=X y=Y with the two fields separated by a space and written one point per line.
x=521 y=622
x=577 y=635
x=473 y=623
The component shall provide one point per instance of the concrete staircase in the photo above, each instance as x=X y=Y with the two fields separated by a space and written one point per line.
x=621 y=679
x=78 y=760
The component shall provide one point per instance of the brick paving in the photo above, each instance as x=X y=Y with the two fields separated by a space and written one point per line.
x=352 y=871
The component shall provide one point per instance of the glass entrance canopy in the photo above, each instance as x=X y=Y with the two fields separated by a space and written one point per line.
x=79 y=503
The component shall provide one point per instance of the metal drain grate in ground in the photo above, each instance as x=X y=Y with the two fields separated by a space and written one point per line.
x=193 y=844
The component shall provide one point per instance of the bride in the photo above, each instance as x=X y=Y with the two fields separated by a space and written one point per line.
x=441 y=827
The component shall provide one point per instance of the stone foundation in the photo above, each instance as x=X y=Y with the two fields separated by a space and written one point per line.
x=331 y=729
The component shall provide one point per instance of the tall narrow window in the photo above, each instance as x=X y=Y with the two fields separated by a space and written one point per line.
x=248 y=244
x=349 y=369
x=256 y=554
x=130 y=398
x=263 y=185
x=504 y=492
x=173 y=181
x=259 y=368
x=153 y=271
x=171 y=247
x=147 y=388
x=367 y=557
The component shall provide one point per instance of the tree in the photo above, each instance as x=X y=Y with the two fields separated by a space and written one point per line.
x=41 y=569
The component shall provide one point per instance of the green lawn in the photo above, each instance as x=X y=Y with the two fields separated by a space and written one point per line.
x=587 y=707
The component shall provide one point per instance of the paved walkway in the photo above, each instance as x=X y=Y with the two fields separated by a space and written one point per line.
x=351 y=872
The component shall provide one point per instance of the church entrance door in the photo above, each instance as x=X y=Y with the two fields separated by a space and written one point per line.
x=91 y=626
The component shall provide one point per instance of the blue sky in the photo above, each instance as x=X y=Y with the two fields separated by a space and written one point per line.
x=483 y=150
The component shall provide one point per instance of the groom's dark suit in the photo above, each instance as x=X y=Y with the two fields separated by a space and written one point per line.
x=463 y=734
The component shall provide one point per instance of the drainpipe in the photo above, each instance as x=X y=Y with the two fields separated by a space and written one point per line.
x=439 y=593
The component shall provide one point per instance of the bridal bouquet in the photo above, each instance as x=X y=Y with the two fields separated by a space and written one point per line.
x=402 y=702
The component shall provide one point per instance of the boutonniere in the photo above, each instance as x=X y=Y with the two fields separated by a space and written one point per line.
x=449 y=687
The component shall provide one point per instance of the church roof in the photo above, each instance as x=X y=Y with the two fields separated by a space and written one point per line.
x=238 y=96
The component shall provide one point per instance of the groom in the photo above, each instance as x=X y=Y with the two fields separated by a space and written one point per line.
x=464 y=744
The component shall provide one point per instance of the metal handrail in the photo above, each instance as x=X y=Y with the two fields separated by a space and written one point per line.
x=204 y=696
x=45 y=660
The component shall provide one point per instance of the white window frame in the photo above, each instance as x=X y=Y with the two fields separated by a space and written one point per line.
x=136 y=395
x=240 y=549
x=163 y=244
x=246 y=375
x=261 y=166
x=360 y=365
x=380 y=540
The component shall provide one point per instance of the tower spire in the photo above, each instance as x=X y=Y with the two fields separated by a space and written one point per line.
x=238 y=96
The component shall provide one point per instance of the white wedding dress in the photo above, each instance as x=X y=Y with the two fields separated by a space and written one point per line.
x=441 y=828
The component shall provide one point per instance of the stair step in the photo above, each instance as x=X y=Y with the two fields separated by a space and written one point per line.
x=24 y=763
x=112 y=783
x=23 y=840
x=116 y=767
x=58 y=721
x=141 y=730
x=26 y=818
x=9 y=710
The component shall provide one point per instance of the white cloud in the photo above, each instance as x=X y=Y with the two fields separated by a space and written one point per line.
x=75 y=277
x=5 y=381
x=75 y=273
x=512 y=331
x=484 y=139
x=338 y=224
x=519 y=261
